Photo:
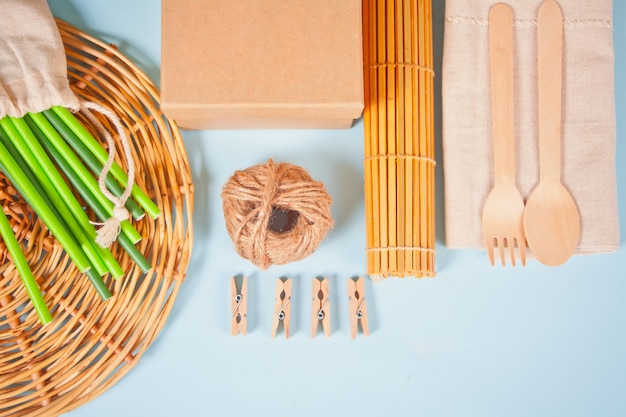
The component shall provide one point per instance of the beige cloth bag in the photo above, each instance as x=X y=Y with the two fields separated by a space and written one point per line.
x=588 y=116
x=33 y=67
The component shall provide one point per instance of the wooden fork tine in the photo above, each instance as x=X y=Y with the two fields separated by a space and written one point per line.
x=489 y=244
x=510 y=242
x=500 y=244
x=522 y=250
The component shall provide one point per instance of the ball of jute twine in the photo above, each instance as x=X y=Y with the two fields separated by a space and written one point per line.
x=254 y=198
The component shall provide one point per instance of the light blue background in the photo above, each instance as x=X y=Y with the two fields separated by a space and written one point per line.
x=474 y=341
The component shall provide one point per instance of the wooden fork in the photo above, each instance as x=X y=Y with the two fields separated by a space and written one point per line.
x=503 y=213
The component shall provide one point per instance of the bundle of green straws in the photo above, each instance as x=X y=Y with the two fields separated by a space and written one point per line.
x=49 y=157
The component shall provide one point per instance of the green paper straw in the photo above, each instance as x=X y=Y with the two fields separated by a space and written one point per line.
x=21 y=264
x=98 y=284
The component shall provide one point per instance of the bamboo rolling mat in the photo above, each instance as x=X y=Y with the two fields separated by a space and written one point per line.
x=399 y=138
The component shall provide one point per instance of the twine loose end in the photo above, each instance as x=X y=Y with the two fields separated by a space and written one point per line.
x=110 y=229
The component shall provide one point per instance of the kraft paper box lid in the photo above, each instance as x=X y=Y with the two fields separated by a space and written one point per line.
x=262 y=63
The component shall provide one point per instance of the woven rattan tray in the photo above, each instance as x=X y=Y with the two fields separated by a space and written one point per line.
x=91 y=344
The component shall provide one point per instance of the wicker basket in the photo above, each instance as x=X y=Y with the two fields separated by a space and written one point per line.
x=91 y=344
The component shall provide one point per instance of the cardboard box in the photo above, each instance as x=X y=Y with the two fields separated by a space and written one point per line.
x=231 y=64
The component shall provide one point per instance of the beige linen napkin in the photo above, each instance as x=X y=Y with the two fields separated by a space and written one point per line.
x=33 y=68
x=588 y=116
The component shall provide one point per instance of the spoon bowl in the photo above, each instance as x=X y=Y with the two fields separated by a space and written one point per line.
x=551 y=223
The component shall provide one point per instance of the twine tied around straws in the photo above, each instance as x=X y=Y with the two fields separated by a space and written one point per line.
x=110 y=229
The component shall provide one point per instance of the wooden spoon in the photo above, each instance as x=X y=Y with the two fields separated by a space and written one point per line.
x=551 y=218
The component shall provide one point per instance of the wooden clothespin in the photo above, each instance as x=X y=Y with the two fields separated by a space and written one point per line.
x=282 y=306
x=320 y=313
x=239 y=303
x=357 y=306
